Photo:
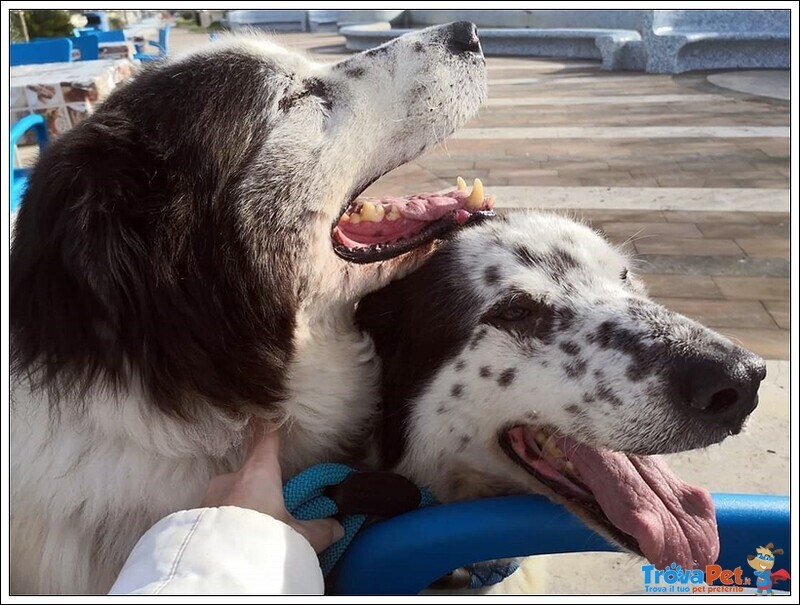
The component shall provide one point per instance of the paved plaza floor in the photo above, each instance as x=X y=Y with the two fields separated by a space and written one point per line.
x=691 y=177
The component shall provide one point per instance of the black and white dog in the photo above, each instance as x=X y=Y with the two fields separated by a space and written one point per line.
x=193 y=256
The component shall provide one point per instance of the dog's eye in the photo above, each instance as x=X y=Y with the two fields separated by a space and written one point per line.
x=515 y=308
x=513 y=313
x=623 y=275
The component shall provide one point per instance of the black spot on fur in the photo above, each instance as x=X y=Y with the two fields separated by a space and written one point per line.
x=569 y=347
x=527 y=257
x=442 y=409
x=491 y=275
x=419 y=47
x=485 y=372
x=556 y=263
x=457 y=390
x=507 y=377
x=574 y=409
x=575 y=369
x=112 y=268
x=355 y=72
x=463 y=442
x=604 y=393
x=588 y=398
x=460 y=365
x=476 y=340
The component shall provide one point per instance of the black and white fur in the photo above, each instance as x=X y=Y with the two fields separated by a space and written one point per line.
x=172 y=276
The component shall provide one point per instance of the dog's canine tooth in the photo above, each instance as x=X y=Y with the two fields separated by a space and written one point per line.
x=461 y=185
x=475 y=199
x=355 y=218
x=552 y=449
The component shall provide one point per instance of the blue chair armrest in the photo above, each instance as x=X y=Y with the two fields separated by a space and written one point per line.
x=160 y=48
x=19 y=176
x=34 y=121
x=405 y=554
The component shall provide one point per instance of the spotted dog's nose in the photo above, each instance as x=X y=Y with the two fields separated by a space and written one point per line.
x=721 y=391
x=463 y=38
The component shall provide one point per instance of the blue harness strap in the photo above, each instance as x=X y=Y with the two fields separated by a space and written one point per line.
x=326 y=490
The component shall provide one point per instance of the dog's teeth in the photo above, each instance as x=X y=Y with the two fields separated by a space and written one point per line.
x=461 y=185
x=355 y=218
x=345 y=218
x=552 y=449
x=541 y=437
x=475 y=199
x=571 y=468
x=393 y=215
x=372 y=212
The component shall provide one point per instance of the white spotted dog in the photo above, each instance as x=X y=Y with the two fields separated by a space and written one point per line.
x=524 y=356
x=189 y=257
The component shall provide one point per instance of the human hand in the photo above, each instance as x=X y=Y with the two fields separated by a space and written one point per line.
x=258 y=486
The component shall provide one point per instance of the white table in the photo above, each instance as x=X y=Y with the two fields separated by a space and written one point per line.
x=64 y=93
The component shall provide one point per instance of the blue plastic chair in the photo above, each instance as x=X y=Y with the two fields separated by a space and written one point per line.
x=405 y=554
x=19 y=176
x=88 y=47
x=56 y=50
x=162 y=45
x=115 y=35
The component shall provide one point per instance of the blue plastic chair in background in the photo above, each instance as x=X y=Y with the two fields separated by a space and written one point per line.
x=162 y=45
x=115 y=35
x=87 y=47
x=405 y=554
x=19 y=176
x=56 y=50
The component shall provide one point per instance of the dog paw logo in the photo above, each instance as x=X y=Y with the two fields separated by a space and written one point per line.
x=763 y=562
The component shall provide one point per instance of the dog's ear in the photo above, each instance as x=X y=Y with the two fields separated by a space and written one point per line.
x=74 y=255
x=417 y=324
x=777 y=551
x=750 y=557
x=769 y=546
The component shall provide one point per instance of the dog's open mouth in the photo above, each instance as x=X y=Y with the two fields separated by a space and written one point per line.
x=375 y=229
x=638 y=500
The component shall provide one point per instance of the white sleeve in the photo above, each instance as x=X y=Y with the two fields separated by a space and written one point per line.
x=226 y=550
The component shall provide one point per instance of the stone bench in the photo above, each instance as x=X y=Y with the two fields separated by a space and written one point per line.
x=679 y=41
x=271 y=20
x=617 y=48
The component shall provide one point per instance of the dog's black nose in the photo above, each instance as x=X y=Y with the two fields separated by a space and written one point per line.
x=721 y=391
x=463 y=38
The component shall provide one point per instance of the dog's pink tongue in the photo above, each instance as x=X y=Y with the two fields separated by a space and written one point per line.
x=672 y=521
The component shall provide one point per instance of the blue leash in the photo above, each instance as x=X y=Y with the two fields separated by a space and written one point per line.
x=325 y=490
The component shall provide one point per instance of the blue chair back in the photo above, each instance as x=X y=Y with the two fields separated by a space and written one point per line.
x=87 y=46
x=163 y=39
x=43 y=51
x=404 y=554
x=115 y=35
